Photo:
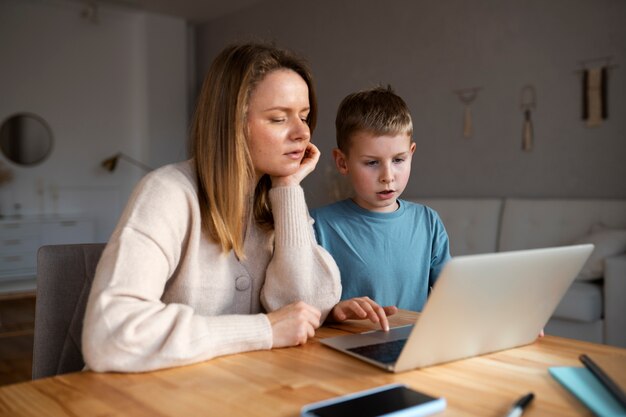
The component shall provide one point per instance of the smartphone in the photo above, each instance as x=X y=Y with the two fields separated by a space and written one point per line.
x=395 y=400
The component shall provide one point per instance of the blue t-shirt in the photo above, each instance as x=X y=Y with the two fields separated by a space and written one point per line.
x=393 y=258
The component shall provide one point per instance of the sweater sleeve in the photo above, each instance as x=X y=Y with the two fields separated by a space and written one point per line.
x=127 y=325
x=300 y=269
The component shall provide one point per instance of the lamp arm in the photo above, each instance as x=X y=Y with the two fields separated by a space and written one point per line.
x=135 y=162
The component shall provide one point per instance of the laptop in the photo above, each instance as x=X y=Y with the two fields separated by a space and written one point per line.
x=479 y=304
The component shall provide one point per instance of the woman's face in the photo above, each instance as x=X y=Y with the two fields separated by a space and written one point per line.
x=278 y=133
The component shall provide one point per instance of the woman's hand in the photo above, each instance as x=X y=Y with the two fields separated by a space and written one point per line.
x=363 y=308
x=307 y=165
x=294 y=324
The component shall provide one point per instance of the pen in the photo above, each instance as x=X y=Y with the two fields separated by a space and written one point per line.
x=520 y=405
x=604 y=378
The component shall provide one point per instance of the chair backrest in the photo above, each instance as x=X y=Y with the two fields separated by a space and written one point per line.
x=64 y=277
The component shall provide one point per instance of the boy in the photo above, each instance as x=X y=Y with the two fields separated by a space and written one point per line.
x=389 y=251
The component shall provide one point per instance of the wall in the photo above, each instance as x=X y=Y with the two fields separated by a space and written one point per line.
x=119 y=84
x=426 y=49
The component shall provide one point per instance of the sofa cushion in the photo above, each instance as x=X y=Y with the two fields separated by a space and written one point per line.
x=591 y=332
x=608 y=242
x=536 y=223
x=582 y=302
x=471 y=224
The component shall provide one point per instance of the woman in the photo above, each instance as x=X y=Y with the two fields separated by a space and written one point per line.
x=205 y=247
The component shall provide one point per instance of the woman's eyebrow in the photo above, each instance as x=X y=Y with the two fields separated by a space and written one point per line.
x=286 y=109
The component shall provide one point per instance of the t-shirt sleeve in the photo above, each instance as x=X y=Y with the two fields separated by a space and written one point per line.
x=318 y=228
x=440 y=249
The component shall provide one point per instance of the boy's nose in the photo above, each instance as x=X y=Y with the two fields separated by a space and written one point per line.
x=386 y=176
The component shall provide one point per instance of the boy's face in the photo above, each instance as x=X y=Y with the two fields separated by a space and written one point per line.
x=378 y=168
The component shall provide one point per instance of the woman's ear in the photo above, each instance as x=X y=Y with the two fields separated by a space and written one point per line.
x=340 y=161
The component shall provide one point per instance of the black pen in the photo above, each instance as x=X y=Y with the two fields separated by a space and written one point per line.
x=520 y=405
x=604 y=378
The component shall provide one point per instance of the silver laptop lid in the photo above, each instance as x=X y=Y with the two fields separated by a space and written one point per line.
x=485 y=303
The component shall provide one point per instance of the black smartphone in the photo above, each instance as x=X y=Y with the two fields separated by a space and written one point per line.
x=396 y=399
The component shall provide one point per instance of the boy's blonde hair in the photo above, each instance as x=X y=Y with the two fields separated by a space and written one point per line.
x=219 y=136
x=379 y=111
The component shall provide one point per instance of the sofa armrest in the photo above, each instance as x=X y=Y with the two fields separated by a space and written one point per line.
x=614 y=296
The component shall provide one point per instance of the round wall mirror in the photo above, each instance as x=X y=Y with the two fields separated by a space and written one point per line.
x=25 y=139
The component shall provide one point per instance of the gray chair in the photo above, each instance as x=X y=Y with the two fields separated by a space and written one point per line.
x=64 y=277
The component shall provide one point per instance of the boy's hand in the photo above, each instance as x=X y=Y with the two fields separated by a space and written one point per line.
x=307 y=165
x=363 y=308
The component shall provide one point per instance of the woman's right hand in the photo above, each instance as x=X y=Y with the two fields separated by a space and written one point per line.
x=294 y=324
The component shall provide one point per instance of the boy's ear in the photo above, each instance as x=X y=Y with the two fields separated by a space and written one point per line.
x=340 y=161
x=412 y=148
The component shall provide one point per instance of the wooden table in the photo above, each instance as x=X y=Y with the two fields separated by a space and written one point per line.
x=281 y=381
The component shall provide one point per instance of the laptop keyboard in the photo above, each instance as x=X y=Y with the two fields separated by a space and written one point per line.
x=386 y=352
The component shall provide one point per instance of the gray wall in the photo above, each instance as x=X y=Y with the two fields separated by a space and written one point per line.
x=426 y=49
x=118 y=85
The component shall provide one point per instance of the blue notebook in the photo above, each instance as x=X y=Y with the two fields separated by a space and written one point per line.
x=589 y=390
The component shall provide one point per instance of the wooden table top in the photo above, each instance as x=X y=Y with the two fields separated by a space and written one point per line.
x=279 y=382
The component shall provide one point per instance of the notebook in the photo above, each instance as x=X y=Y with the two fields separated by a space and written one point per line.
x=588 y=389
x=479 y=304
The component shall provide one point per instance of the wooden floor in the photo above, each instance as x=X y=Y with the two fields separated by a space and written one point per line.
x=17 y=318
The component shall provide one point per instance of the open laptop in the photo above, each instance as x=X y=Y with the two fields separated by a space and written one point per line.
x=479 y=304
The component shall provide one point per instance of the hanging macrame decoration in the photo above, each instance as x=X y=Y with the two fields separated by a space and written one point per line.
x=467 y=96
x=594 y=96
x=528 y=102
x=595 y=86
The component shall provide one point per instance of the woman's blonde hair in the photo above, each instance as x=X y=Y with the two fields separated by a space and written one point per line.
x=223 y=165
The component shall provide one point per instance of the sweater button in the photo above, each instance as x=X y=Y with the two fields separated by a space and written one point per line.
x=242 y=283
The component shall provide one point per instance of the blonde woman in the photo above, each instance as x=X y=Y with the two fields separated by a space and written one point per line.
x=216 y=255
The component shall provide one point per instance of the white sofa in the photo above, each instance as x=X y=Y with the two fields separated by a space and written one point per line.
x=593 y=309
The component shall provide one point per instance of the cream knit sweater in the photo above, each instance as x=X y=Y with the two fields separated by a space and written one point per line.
x=164 y=295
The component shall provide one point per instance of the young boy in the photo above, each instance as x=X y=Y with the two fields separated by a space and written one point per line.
x=389 y=251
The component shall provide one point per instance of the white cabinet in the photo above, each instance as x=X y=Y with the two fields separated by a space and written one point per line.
x=17 y=241
x=65 y=231
x=21 y=238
